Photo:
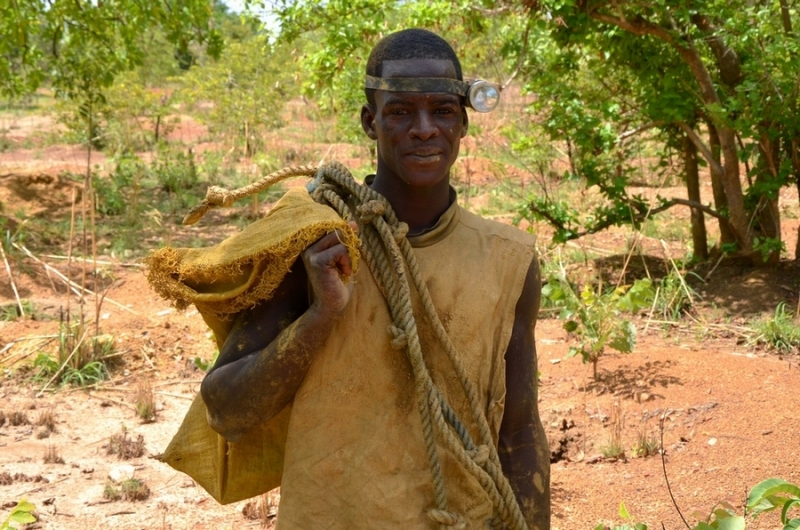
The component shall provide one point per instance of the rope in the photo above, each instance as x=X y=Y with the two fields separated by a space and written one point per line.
x=392 y=262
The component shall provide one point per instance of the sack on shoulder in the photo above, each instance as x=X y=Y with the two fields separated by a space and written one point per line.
x=221 y=281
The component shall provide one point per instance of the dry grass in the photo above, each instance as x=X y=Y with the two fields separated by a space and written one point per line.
x=263 y=508
x=145 y=402
x=47 y=421
x=125 y=448
x=18 y=418
x=52 y=456
x=614 y=447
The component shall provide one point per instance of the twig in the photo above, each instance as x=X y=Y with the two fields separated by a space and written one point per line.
x=147 y=358
x=116 y=401
x=169 y=383
x=99 y=262
x=23 y=353
x=64 y=364
x=13 y=284
x=40 y=488
x=72 y=285
x=664 y=467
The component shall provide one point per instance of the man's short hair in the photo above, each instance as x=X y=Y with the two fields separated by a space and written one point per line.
x=413 y=43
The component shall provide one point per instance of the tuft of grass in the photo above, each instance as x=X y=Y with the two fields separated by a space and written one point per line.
x=780 y=333
x=52 y=456
x=145 y=402
x=646 y=444
x=47 y=420
x=80 y=359
x=18 y=418
x=613 y=448
x=125 y=448
x=132 y=489
x=11 y=312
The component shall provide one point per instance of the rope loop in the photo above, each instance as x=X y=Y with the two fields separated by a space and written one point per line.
x=450 y=519
x=400 y=339
x=368 y=211
x=400 y=232
x=480 y=455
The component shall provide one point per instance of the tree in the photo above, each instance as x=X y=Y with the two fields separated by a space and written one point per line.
x=736 y=63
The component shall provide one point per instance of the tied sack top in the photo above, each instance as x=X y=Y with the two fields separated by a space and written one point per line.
x=355 y=454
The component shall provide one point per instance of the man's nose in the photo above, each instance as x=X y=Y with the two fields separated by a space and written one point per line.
x=424 y=126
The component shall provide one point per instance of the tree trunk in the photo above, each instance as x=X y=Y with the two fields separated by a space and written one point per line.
x=699 y=238
x=720 y=200
x=795 y=155
x=766 y=214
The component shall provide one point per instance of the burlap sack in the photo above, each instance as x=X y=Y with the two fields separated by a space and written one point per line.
x=221 y=281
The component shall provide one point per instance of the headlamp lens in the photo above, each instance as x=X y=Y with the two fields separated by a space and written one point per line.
x=483 y=96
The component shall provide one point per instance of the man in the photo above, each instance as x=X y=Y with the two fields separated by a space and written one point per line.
x=354 y=452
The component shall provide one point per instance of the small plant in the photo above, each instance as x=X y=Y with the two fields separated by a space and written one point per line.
x=204 y=365
x=125 y=448
x=767 y=495
x=52 y=456
x=21 y=514
x=772 y=494
x=646 y=445
x=629 y=525
x=595 y=316
x=132 y=489
x=780 y=333
x=145 y=402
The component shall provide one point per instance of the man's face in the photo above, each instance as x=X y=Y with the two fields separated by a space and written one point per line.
x=418 y=133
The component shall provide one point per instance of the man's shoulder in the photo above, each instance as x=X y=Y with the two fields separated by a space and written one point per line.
x=492 y=228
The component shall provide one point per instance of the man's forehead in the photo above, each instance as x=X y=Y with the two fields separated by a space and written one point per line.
x=418 y=68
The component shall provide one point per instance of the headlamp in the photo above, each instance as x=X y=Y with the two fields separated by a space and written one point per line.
x=480 y=95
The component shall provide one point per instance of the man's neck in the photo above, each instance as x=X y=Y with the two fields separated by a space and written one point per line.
x=419 y=207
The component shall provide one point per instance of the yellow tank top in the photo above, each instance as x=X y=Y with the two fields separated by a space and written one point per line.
x=355 y=455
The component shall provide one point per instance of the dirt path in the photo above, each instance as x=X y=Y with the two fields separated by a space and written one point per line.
x=731 y=422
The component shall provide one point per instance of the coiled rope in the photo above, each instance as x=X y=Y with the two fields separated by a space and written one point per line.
x=392 y=261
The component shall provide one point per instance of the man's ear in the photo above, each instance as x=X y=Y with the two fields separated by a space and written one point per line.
x=368 y=121
x=465 y=121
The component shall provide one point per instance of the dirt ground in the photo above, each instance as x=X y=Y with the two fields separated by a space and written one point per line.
x=729 y=412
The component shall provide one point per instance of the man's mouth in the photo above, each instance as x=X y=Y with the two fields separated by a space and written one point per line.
x=426 y=154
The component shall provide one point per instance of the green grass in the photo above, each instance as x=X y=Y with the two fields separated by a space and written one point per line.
x=780 y=332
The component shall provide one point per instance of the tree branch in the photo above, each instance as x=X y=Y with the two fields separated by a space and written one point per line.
x=702 y=147
x=638 y=218
x=642 y=128
x=490 y=12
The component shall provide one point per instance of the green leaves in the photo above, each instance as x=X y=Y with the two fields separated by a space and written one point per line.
x=595 y=316
x=80 y=46
x=21 y=514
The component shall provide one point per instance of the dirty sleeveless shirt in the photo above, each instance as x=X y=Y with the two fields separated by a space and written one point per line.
x=355 y=454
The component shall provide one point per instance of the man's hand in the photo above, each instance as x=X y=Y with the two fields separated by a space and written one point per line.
x=327 y=263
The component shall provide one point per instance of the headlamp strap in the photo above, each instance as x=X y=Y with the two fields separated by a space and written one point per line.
x=418 y=84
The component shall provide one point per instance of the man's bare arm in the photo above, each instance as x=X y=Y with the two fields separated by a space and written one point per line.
x=523 y=450
x=261 y=365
